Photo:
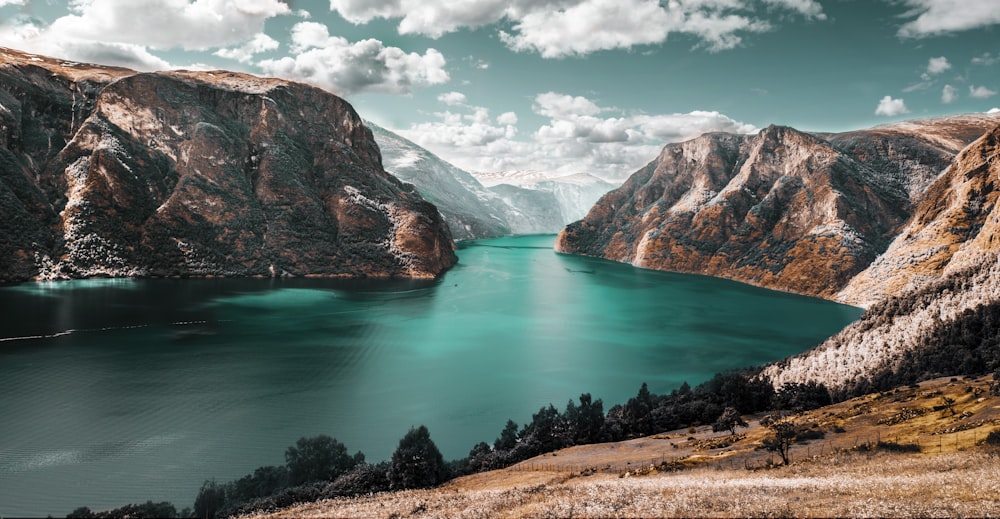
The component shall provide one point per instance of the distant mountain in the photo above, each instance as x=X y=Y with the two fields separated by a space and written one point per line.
x=781 y=209
x=470 y=210
x=109 y=172
x=934 y=294
x=575 y=194
x=488 y=205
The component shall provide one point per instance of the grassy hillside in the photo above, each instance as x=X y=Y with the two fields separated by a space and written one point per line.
x=915 y=451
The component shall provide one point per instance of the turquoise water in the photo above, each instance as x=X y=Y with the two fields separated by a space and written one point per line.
x=118 y=391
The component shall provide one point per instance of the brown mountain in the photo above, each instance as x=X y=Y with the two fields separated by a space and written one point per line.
x=109 y=172
x=782 y=209
x=934 y=294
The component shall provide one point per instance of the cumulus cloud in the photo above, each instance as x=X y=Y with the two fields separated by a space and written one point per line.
x=452 y=98
x=580 y=135
x=12 y=2
x=938 y=65
x=165 y=24
x=245 y=53
x=981 y=92
x=934 y=17
x=559 y=28
x=891 y=107
x=949 y=94
x=993 y=111
x=333 y=63
x=31 y=36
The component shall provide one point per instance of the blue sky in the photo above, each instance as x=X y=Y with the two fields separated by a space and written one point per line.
x=561 y=86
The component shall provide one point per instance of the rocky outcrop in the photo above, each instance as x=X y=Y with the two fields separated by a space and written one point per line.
x=781 y=209
x=108 y=172
x=939 y=275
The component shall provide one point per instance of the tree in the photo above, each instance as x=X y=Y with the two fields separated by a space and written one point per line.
x=321 y=458
x=417 y=462
x=211 y=499
x=508 y=437
x=783 y=434
x=729 y=420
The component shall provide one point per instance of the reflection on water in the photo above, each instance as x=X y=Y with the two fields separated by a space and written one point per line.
x=120 y=391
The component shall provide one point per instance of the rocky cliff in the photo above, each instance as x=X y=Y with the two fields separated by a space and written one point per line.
x=782 y=209
x=108 y=172
x=936 y=290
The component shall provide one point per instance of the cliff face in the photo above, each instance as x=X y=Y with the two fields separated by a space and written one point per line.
x=954 y=227
x=941 y=274
x=782 y=209
x=106 y=172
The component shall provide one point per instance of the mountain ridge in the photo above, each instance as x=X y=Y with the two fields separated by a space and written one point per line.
x=110 y=172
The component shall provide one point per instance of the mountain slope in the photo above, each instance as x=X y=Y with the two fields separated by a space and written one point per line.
x=782 y=209
x=575 y=194
x=470 y=210
x=197 y=173
x=940 y=287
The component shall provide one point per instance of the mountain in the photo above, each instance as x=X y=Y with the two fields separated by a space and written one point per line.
x=781 y=209
x=574 y=194
x=470 y=210
x=489 y=205
x=109 y=172
x=934 y=293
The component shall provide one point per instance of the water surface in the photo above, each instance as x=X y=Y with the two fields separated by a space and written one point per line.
x=118 y=391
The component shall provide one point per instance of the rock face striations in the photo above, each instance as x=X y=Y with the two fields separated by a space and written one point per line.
x=782 y=209
x=108 y=172
x=935 y=292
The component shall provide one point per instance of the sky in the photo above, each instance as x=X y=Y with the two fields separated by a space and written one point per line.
x=560 y=86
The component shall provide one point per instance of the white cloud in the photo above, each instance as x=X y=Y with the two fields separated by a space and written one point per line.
x=507 y=119
x=559 y=28
x=932 y=17
x=938 y=65
x=165 y=24
x=949 y=94
x=891 y=107
x=590 y=26
x=245 y=53
x=561 y=106
x=994 y=111
x=981 y=92
x=986 y=59
x=333 y=63
x=12 y=2
x=452 y=98
x=808 y=8
x=576 y=137
x=27 y=35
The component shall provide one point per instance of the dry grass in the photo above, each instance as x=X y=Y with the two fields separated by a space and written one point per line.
x=963 y=479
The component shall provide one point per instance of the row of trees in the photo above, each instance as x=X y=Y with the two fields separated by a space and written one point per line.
x=321 y=467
